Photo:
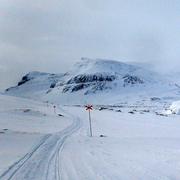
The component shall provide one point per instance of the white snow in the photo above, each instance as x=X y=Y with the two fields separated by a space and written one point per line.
x=174 y=108
x=138 y=145
x=22 y=123
x=134 y=137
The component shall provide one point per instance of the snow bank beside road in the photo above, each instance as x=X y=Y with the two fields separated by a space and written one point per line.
x=175 y=108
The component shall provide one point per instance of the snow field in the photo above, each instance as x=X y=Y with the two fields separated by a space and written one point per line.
x=135 y=146
x=140 y=141
x=23 y=123
x=38 y=144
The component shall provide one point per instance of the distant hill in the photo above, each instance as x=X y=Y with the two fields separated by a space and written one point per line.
x=93 y=79
x=34 y=84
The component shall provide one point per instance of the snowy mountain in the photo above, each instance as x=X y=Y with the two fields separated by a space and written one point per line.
x=90 y=79
x=33 y=84
x=93 y=76
x=135 y=131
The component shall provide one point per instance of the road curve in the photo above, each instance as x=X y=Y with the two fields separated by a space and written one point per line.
x=42 y=162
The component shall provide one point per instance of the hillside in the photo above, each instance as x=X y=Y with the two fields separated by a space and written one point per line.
x=34 y=84
x=94 y=81
x=135 y=129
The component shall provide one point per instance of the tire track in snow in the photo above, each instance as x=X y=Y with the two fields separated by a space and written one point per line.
x=42 y=162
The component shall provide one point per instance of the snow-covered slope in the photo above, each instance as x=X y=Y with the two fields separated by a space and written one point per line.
x=34 y=84
x=174 y=108
x=93 y=76
x=93 y=81
x=134 y=137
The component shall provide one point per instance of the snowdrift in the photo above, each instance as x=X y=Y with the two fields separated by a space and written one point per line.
x=175 y=108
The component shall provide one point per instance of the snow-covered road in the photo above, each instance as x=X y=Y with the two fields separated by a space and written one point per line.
x=139 y=145
x=42 y=161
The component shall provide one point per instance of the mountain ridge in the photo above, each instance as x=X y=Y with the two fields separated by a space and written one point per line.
x=89 y=79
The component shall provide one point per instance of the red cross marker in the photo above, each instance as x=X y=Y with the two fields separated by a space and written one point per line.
x=89 y=107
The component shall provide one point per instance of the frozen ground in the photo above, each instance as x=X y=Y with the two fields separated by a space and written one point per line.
x=140 y=142
x=24 y=125
x=134 y=146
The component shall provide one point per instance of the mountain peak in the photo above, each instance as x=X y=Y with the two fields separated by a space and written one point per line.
x=91 y=77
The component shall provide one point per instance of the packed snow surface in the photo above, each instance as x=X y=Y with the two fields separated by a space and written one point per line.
x=129 y=142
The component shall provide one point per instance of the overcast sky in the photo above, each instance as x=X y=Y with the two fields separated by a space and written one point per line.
x=51 y=35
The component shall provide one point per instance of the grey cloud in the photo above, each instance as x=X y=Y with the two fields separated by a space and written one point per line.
x=52 y=35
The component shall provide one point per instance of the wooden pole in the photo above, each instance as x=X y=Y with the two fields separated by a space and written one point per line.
x=54 y=109
x=90 y=123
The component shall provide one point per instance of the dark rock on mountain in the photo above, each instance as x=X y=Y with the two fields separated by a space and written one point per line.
x=82 y=78
x=24 y=80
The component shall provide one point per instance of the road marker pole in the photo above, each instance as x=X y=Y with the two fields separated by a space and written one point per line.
x=47 y=103
x=90 y=124
x=54 y=109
